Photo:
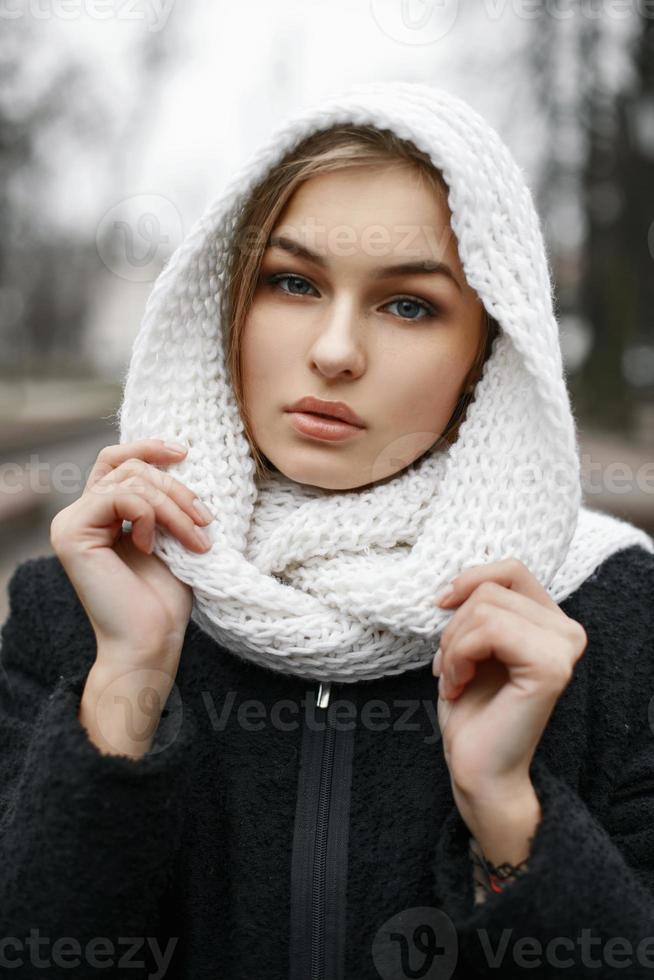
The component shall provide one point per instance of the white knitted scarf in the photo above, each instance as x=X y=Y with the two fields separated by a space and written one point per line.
x=340 y=586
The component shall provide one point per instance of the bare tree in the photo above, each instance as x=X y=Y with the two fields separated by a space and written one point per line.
x=46 y=270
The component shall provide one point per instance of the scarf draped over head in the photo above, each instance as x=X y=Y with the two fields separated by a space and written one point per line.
x=340 y=586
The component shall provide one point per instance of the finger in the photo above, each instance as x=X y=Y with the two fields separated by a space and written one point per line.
x=183 y=496
x=473 y=609
x=528 y=653
x=142 y=521
x=98 y=518
x=509 y=572
x=151 y=450
x=166 y=512
x=490 y=675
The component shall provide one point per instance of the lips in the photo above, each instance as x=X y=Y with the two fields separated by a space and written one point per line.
x=323 y=415
x=336 y=411
x=322 y=428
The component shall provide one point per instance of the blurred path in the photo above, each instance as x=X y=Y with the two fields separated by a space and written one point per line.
x=618 y=478
x=50 y=435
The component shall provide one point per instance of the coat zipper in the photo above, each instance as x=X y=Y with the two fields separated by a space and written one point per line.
x=320 y=851
x=320 y=847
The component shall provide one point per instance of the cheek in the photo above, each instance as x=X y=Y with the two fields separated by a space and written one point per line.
x=269 y=359
x=265 y=352
x=426 y=387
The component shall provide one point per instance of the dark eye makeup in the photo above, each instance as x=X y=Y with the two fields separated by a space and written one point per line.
x=275 y=281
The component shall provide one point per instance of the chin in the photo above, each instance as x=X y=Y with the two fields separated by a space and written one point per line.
x=327 y=474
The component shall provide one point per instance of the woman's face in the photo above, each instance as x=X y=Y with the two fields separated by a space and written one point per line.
x=338 y=315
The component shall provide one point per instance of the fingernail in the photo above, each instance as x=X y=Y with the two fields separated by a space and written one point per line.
x=175 y=447
x=201 y=510
x=202 y=535
x=436 y=664
x=443 y=594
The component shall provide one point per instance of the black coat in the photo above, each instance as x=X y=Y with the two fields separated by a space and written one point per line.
x=256 y=841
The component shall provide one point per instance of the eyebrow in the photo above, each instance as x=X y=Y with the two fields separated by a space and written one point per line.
x=417 y=267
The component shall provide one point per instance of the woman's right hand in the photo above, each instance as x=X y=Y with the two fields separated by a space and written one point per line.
x=138 y=609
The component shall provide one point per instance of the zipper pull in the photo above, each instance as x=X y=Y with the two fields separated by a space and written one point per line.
x=322 y=698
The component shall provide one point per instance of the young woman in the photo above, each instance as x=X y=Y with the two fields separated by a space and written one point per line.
x=225 y=752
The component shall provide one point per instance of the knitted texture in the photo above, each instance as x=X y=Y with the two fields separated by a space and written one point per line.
x=340 y=586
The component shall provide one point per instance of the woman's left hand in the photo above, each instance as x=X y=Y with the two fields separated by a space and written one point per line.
x=507 y=654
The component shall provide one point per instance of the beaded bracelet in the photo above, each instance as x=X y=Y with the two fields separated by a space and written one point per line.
x=496 y=877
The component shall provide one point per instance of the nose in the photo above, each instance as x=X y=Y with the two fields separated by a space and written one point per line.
x=339 y=344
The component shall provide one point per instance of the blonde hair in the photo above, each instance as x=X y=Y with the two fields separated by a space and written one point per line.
x=337 y=148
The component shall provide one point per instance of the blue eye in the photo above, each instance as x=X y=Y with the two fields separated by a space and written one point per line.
x=407 y=301
x=276 y=280
x=293 y=281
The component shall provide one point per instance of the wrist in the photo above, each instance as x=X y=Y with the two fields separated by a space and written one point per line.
x=158 y=664
x=107 y=674
x=503 y=826
x=120 y=708
x=489 y=878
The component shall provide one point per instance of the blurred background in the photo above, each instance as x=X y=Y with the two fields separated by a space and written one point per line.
x=121 y=121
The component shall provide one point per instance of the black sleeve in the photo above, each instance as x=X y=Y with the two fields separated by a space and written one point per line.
x=584 y=907
x=86 y=839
